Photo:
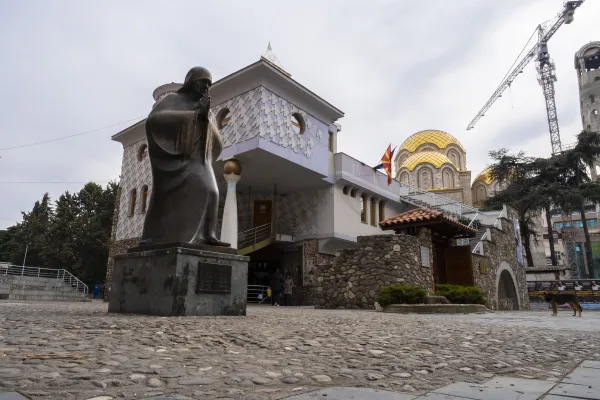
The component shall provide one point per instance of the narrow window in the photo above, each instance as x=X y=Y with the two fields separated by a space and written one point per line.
x=345 y=190
x=144 y=198
x=592 y=98
x=330 y=144
x=373 y=211
x=132 y=202
x=363 y=209
x=353 y=193
x=381 y=211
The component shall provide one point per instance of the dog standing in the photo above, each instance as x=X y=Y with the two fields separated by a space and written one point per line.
x=563 y=298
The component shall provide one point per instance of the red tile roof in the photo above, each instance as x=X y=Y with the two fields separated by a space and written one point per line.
x=421 y=215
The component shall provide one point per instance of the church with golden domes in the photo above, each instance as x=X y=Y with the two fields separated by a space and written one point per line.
x=435 y=161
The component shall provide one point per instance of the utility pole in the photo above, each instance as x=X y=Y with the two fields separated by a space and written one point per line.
x=25 y=258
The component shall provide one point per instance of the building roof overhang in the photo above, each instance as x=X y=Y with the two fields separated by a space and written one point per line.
x=424 y=217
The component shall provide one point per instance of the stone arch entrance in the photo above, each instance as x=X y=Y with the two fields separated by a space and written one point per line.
x=508 y=299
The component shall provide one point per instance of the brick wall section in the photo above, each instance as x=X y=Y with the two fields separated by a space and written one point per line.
x=356 y=276
x=500 y=249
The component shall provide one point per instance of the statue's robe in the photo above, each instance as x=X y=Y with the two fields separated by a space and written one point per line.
x=183 y=144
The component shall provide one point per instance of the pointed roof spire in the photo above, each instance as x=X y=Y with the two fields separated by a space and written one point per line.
x=272 y=59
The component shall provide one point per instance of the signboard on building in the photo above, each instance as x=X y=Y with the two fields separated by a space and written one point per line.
x=425 y=262
x=517 y=231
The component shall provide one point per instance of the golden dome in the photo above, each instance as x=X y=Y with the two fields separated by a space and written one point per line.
x=440 y=139
x=431 y=157
x=232 y=166
x=485 y=176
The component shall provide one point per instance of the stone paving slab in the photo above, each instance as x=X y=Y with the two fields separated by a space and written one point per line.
x=439 y=396
x=480 y=392
x=349 y=393
x=583 y=376
x=590 y=364
x=567 y=391
x=11 y=396
x=531 y=386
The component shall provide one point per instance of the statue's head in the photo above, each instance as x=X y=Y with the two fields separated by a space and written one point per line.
x=198 y=80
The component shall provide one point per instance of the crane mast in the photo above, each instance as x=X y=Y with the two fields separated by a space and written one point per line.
x=545 y=68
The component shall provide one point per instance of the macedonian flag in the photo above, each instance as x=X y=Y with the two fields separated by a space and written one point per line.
x=386 y=163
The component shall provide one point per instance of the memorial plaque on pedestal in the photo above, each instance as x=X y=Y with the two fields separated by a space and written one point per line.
x=180 y=281
x=213 y=278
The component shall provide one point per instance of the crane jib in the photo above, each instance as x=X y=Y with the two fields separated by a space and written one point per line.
x=546 y=78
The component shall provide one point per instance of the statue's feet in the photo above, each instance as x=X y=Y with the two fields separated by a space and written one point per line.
x=213 y=241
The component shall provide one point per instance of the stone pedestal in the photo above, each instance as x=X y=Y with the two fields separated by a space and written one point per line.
x=180 y=279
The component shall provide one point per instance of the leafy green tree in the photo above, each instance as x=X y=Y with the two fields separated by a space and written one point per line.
x=74 y=235
x=516 y=173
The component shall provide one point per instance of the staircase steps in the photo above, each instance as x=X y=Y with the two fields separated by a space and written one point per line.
x=477 y=238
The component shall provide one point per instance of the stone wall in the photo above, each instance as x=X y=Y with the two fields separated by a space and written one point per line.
x=465 y=183
x=356 y=276
x=500 y=253
x=116 y=247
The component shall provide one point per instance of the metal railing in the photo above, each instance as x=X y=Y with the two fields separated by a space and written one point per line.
x=435 y=200
x=59 y=274
x=253 y=236
x=257 y=294
x=478 y=247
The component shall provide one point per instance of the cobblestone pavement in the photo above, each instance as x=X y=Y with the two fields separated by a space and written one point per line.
x=78 y=351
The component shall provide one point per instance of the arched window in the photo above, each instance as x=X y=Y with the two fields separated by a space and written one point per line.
x=381 y=211
x=144 y=198
x=298 y=123
x=363 y=209
x=425 y=179
x=404 y=178
x=143 y=152
x=353 y=193
x=373 y=211
x=132 y=202
x=481 y=194
x=223 y=118
x=455 y=158
x=447 y=178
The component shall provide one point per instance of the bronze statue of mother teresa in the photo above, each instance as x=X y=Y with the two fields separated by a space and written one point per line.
x=183 y=144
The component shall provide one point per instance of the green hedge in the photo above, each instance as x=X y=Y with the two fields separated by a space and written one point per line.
x=457 y=294
x=401 y=294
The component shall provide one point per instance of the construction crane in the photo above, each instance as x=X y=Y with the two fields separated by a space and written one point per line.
x=545 y=71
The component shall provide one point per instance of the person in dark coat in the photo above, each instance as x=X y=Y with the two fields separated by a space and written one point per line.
x=276 y=287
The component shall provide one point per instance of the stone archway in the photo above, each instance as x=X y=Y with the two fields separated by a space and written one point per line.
x=506 y=286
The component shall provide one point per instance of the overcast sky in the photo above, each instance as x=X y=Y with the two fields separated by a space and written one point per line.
x=393 y=66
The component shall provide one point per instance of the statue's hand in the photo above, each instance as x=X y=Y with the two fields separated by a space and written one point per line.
x=203 y=106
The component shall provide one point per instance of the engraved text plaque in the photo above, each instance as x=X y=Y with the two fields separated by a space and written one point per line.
x=213 y=278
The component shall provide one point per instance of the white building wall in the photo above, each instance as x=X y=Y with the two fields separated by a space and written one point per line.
x=347 y=215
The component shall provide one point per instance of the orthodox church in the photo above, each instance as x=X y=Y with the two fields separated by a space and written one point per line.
x=435 y=161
